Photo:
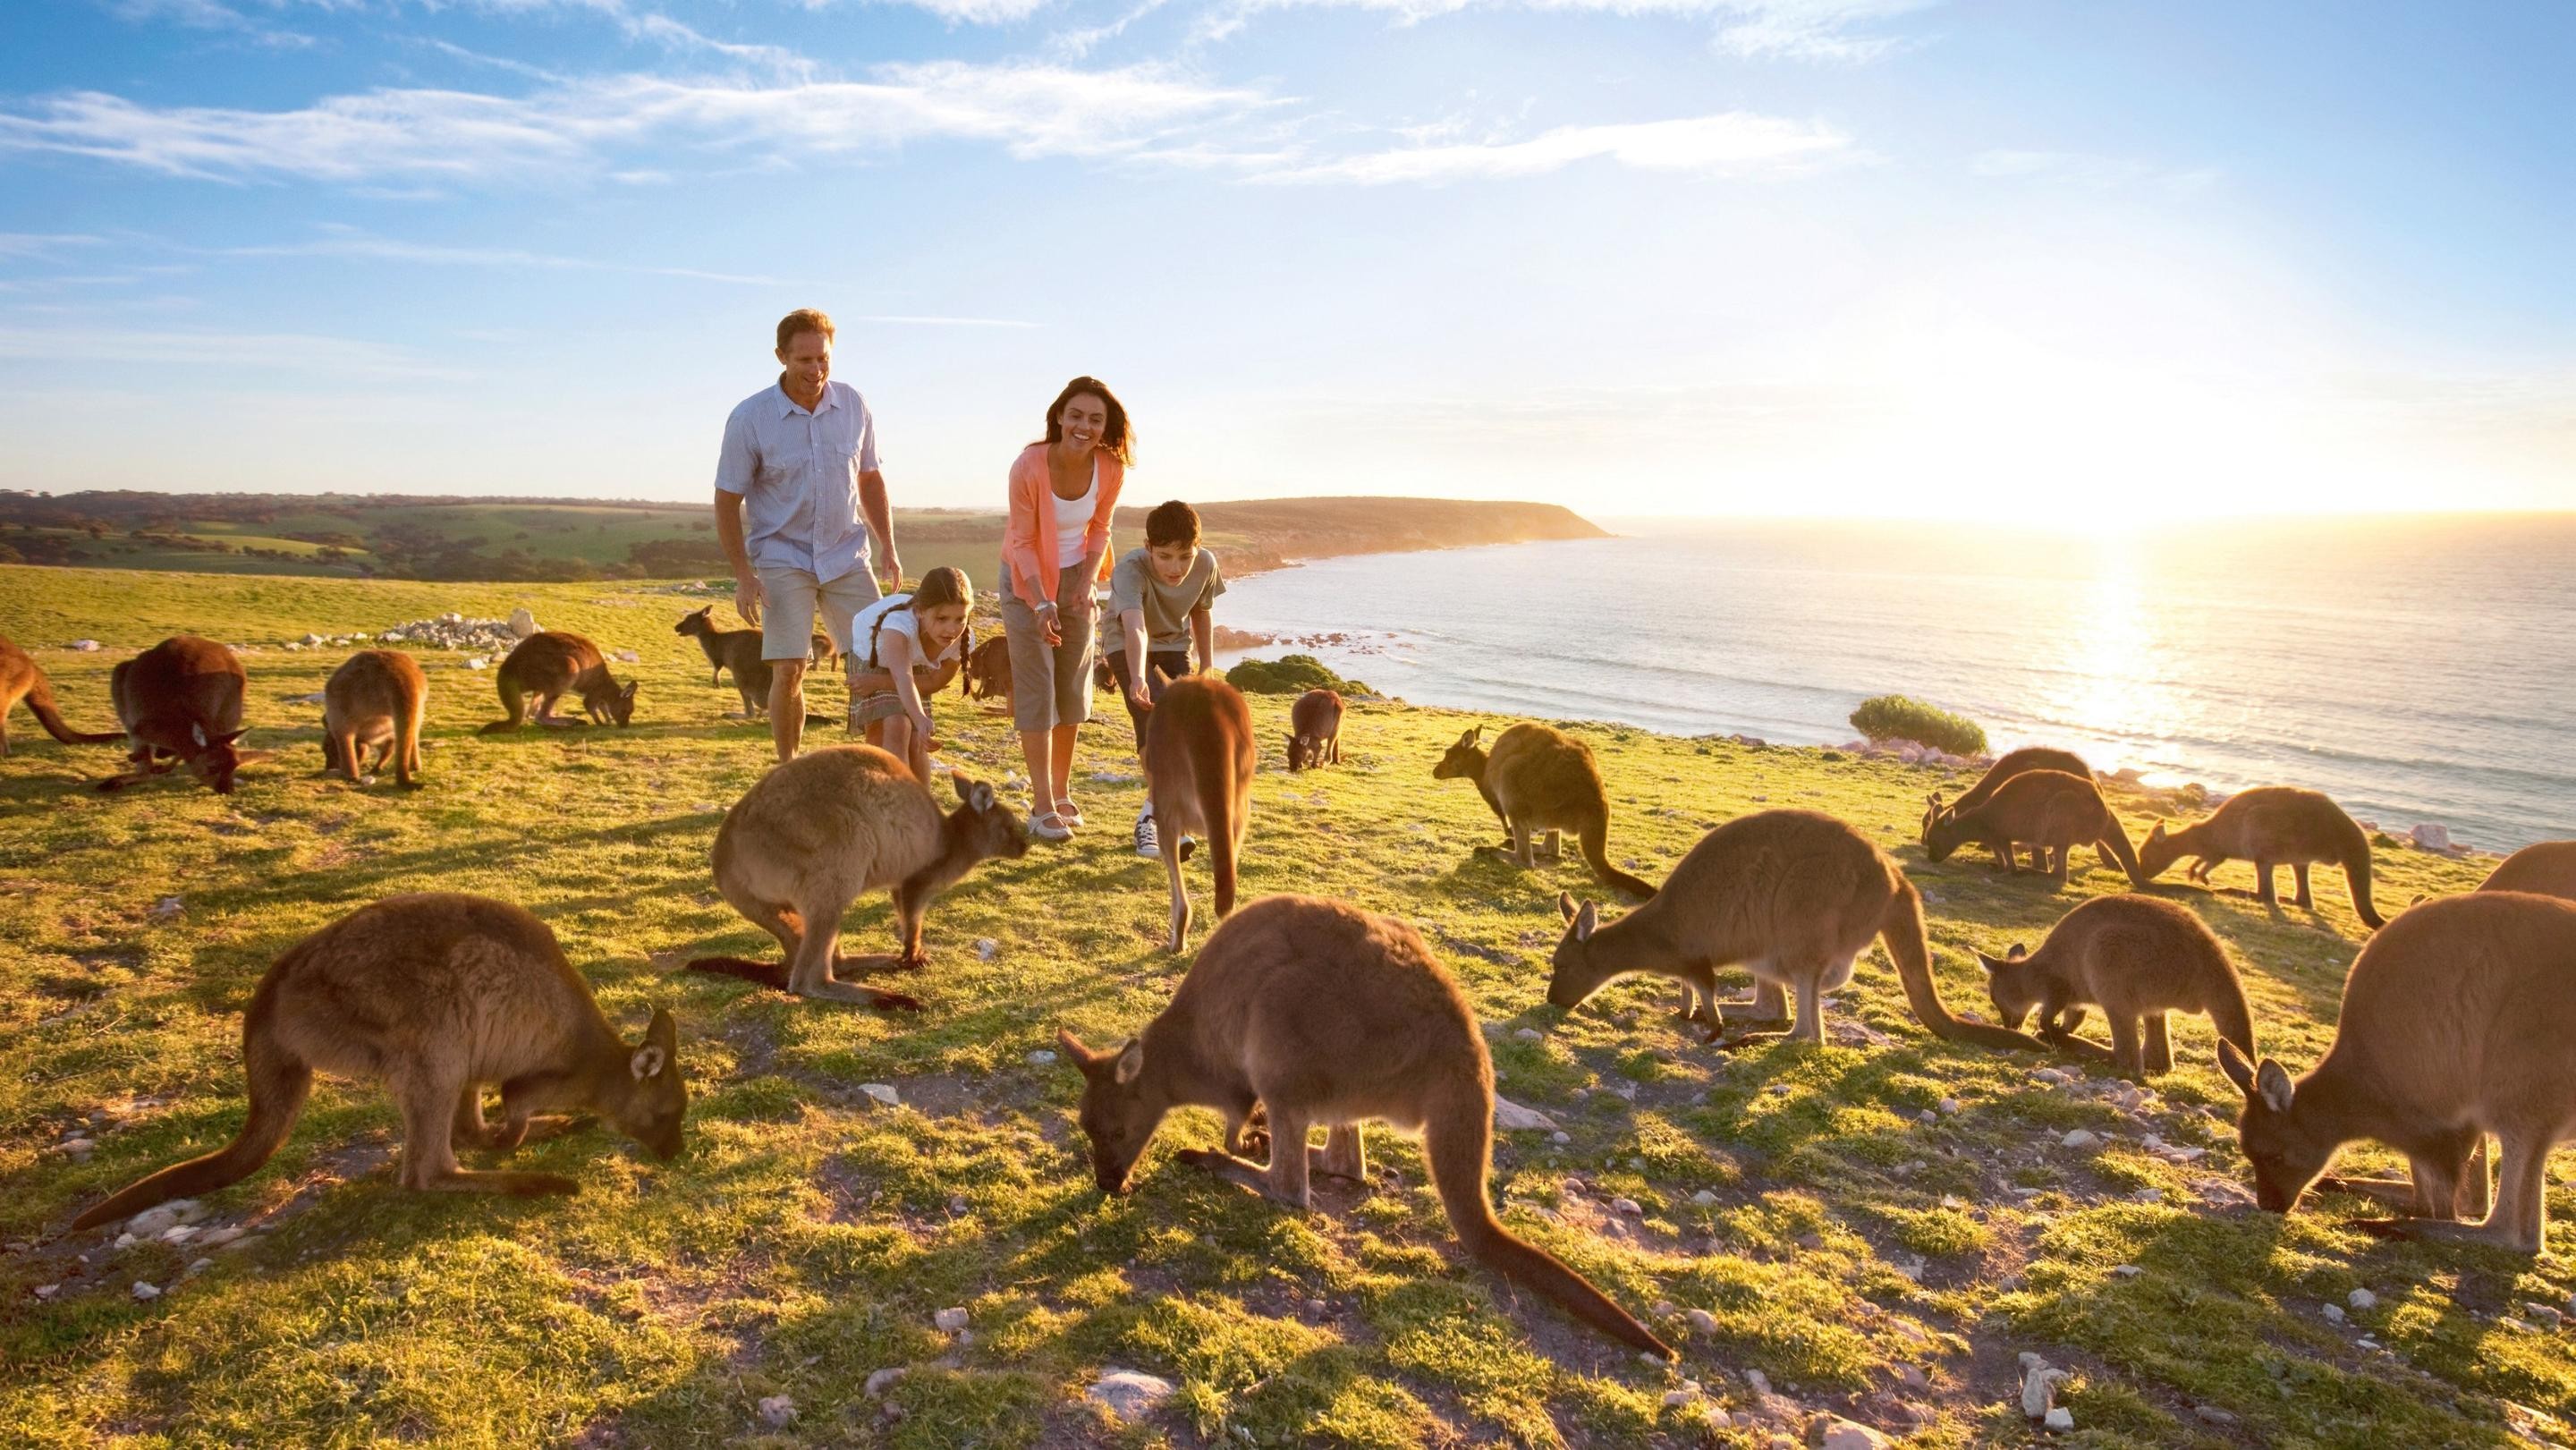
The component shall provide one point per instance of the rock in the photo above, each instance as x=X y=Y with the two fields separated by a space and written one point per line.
x=1530 y=1034
x=1512 y=1116
x=2429 y=836
x=1128 y=1395
x=2056 y=1077
x=1041 y=1058
x=2060 y=1418
x=986 y=948
x=2030 y=1360
x=2334 y=1313
x=2213 y=1414
x=1560 y=1137
x=1949 y=1106
x=2039 y=1389
x=2543 y=1313
x=145 y=1292
x=2080 y=1138
x=478 y=663
x=1912 y=1378
x=777 y=1411
x=1627 y=1206
x=1704 y=1198
x=882 y=1093
x=1688 y=1391
x=85 y=646
x=47 y=1291
x=179 y=1235
x=2362 y=1299
x=161 y=1218
x=626 y=656
x=1760 y=1382
x=1842 y=1434
x=1701 y=1321
x=883 y=1380
x=168 y=908
x=522 y=624
x=197 y=1267
x=2126 y=1271
x=76 y=1147
x=949 y=1320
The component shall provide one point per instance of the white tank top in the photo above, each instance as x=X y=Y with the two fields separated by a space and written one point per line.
x=1073 y=520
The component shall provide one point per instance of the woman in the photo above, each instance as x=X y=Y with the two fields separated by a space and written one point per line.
x=1055 y=550
x=903 y=649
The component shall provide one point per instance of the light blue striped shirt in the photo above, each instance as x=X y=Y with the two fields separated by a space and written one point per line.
x=798 y=475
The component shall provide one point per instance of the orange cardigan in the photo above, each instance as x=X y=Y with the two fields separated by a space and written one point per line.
x=1028 y=536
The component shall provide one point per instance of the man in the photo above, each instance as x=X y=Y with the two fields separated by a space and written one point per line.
x=800 y=461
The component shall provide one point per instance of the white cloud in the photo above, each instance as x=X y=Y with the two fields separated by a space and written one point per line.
x=1821 y=30
x=230 y=351
x=388 y=249
x=1731 y=144
x=43 y=244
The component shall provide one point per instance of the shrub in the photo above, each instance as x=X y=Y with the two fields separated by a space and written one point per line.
x=1290 y=675
x=1894 y=717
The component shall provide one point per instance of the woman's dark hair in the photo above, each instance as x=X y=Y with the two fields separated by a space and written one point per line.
x=1118 y=441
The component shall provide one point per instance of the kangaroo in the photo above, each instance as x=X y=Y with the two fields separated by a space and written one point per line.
x=2456 y=1019
x=987 y=675
x=1199 y=761
x=1793 y=896
x=2270 y=825
x=2050 y=809
x=1322 y=1013
x=1538 y=779
x=546 y=664
x=2016 y=762
x=20 y=679
x=182 y=698
x=814 y=834
x=2546 y=869
x=2135 y=957
x=1314 y=730
x=435 y=995
x=375 y=701
x=737 y=650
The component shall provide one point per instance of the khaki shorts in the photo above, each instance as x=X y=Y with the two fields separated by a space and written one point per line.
x=790 y=599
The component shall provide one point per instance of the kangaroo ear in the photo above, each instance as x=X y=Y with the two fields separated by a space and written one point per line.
x=1989 y=963
x=1586 y=921
x=1565 y=904
x=1470 y=737
x=1131 y=1061
x=1074 y=1052
x=2017 y=953
x=2273 y=1081
x=661 y=1044
x=197 y=733
x=223 y=739
x=979 y=797
x=628 y=694
x=2238 y=1070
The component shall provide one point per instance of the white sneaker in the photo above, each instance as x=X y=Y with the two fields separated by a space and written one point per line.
x=1148 y=842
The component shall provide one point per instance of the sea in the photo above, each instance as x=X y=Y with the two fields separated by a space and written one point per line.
x=2417 y=669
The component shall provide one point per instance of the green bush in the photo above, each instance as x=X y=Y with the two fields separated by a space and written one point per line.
x=1894 y=717
x=1290 y=675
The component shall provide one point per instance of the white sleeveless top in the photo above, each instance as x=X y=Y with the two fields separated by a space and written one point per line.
x=1073 y=520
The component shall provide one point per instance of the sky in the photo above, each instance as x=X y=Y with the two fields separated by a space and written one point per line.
x=2083 y=263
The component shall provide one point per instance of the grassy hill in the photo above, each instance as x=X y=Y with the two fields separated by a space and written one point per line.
x=1877 y=1227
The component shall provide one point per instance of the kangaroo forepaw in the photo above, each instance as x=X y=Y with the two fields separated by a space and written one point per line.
x=894 y=1002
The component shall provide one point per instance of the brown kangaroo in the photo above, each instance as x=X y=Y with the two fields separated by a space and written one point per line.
x=1538 y=779
x=737 y=650
x=182 y=698
x=1199 y=760
x=2545 y=869
x=2016 y=762
x=2052 y=810
x=2135 y=957
x=1794 y=897
x=816 y=833
x=1314 y=730
x=2271 y=825
x=20 y=679
x=376 y=701
x=987 y=675
x=436 y=995
x=1321 y=1013
x=548 y=663
x=2456 y=1022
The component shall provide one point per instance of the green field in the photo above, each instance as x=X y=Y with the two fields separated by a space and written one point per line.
x=1865 y=1260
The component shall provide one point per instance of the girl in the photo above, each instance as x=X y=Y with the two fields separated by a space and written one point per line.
x=903 y=648
x=1055 y=551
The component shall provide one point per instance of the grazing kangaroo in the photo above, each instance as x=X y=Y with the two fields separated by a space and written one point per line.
x=987 y=675
x=20 y=679
x=2456 y=1022
x=1314 y=730
x=1199 y=760
x=2545 y=869
x=182 y=698
x=817 y=832
x=2016 y=762
x=1538 y=779
x=1321 y=1013
x=548 y=663
x=737 y=650
x=1793 y=896
x=436 y=995
x=2271 y=825
x=2052 y=810
x=375 y=701
x=2135 y=957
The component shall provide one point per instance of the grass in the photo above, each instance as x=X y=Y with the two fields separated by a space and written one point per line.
x=1863 y=1259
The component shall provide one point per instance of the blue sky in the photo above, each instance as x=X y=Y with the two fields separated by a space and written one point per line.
x=2079 y=262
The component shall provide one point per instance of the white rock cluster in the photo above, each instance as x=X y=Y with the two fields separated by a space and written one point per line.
x=455 y=631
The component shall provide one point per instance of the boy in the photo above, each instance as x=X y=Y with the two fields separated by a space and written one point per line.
x=1158 y=609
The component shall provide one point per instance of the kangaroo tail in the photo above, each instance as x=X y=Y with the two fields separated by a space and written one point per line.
x=2115 y=845
x=513 y=704
x=40 y=703
x=767 y=974
x=278 y=1085
x=2356 y=874
x=1910 y=947
x=1458 y=1139
x=1595 y=839
x=1212 y=766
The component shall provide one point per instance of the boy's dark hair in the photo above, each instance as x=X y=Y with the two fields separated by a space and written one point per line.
x=1173 y=522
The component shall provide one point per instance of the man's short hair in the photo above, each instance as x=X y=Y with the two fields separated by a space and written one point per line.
x=803 y=319
x=1172 y=523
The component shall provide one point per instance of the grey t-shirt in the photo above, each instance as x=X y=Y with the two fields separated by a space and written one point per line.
x=1132 y=585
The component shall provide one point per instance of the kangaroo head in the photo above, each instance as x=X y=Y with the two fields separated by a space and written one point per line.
x=1116 y=1115
x=987 y=826
x=2157 y=851
x=1942 y=833
x=621 y=706
x=656 y=1096
x=1577 y=975
x=214 y=758
x=1462 y=758
x=2013 y=985
x=1933 y=813
x=1296 y=752
x=2286 y=1152
x=700 y=622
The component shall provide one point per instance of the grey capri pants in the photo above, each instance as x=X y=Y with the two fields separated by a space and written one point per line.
x=1051 y=687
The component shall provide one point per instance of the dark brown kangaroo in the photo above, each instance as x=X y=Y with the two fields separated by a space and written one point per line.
x=987 y=675
x=2016 y=762
x=1315 y=730
x=2051 y=810
x=376 y=701
x=1324 y=1014
x=435 y=995
x=182 y=698
x=549 y=663
x=1541 y=780
x=2135 y=957
x=2271 y=825
x=20 y=679
x=1199 y=760
x=737 y=650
